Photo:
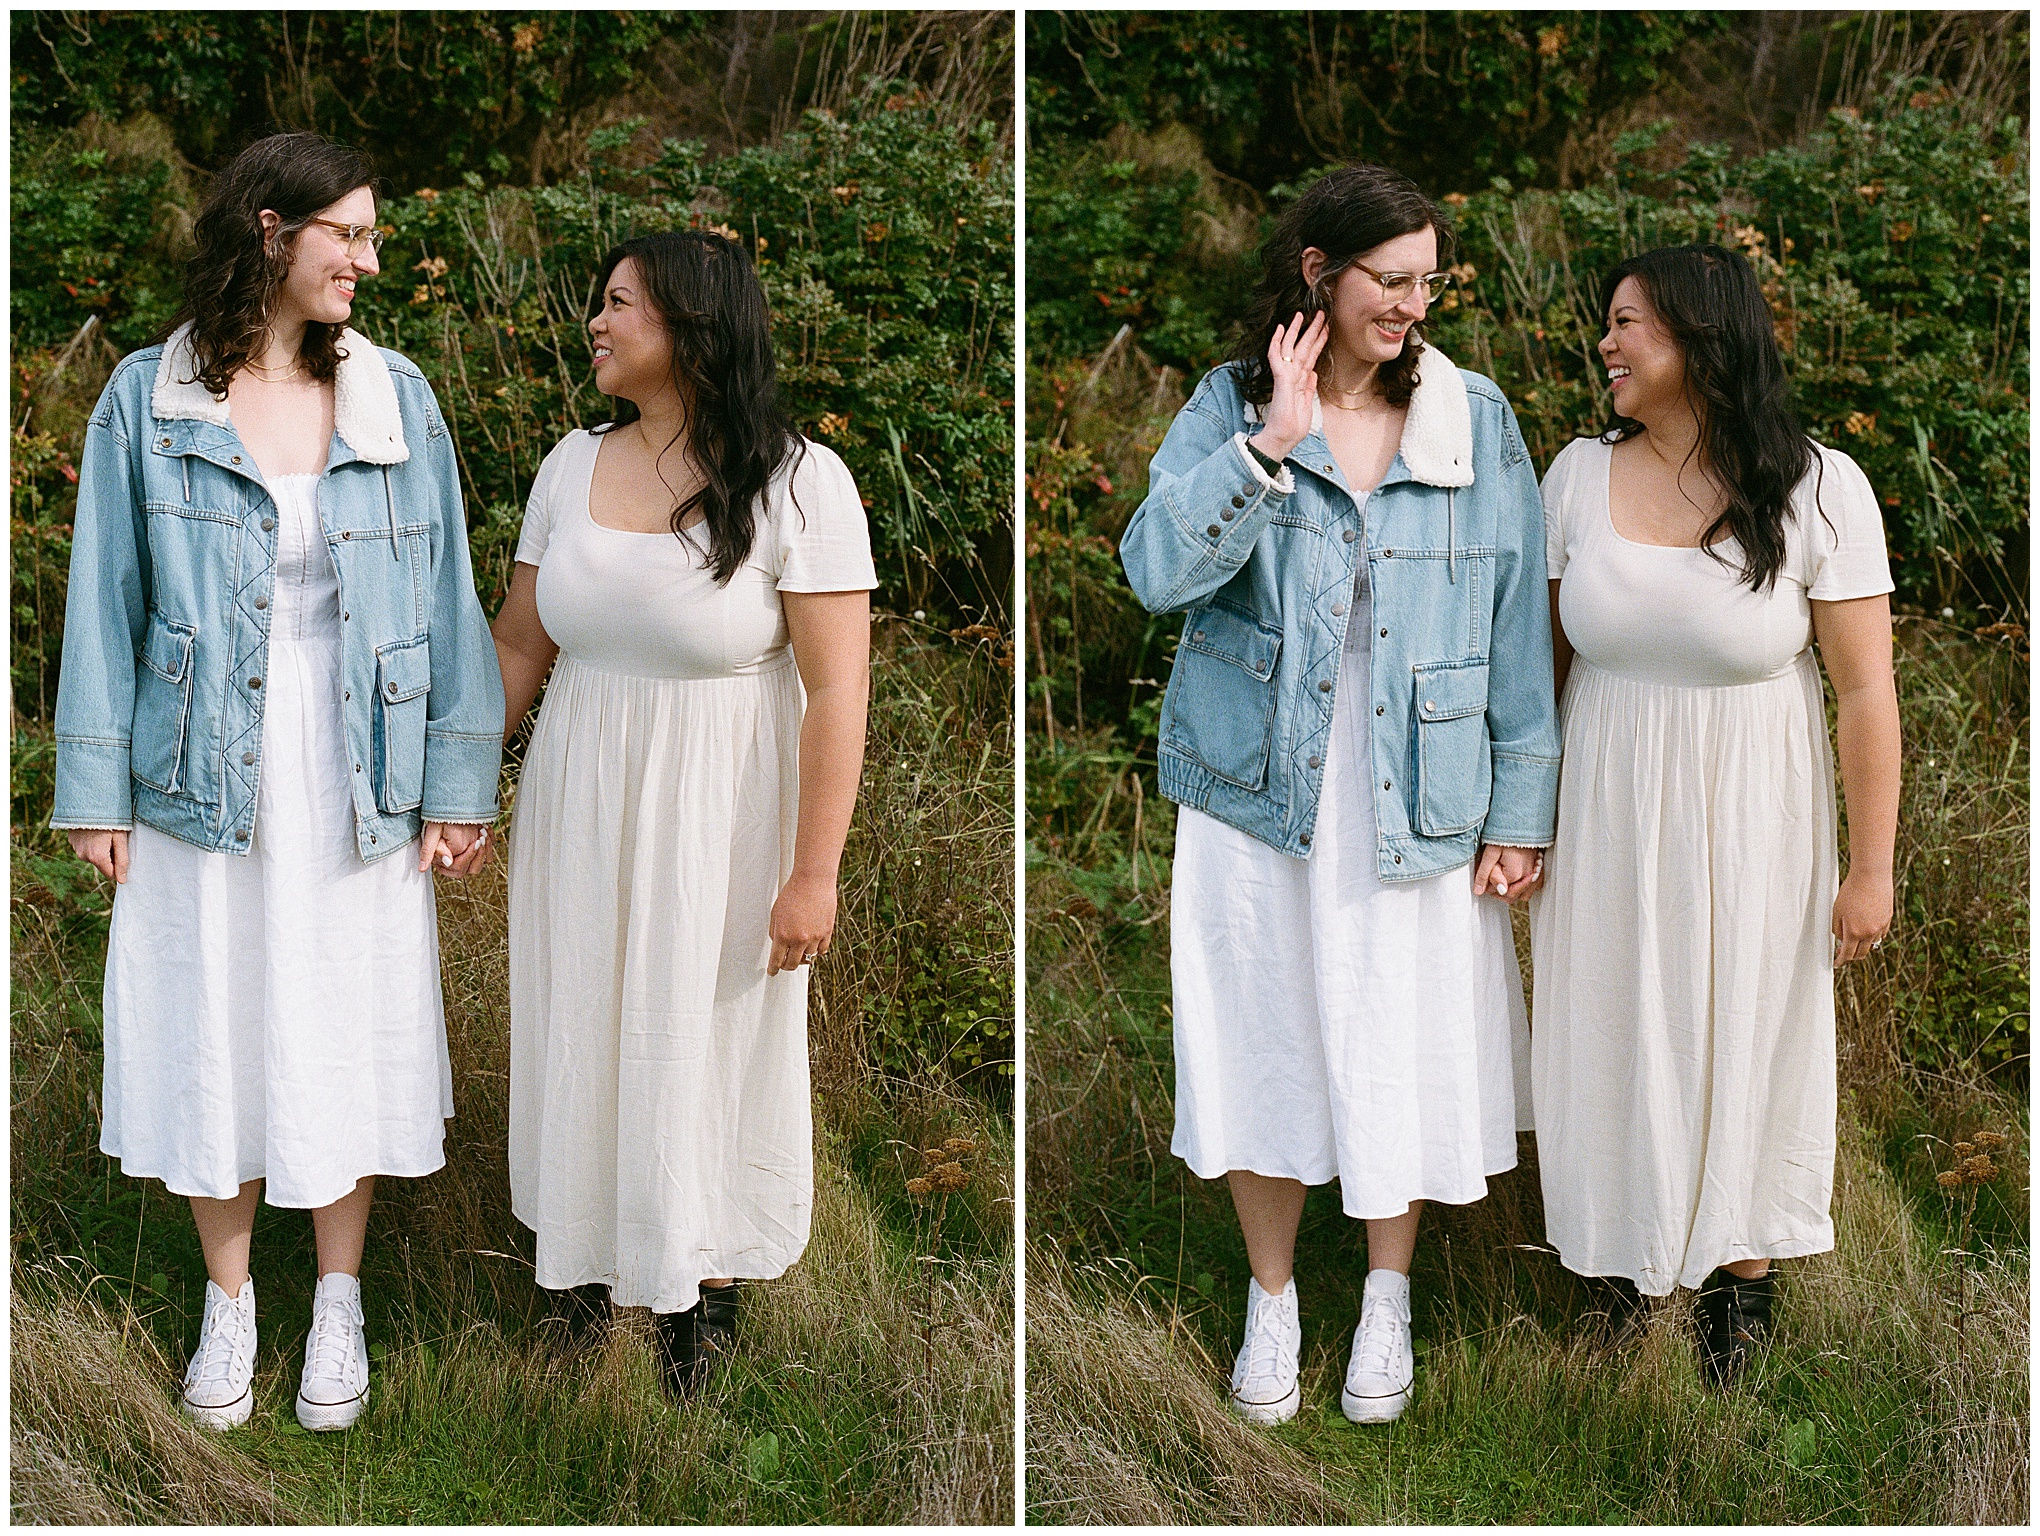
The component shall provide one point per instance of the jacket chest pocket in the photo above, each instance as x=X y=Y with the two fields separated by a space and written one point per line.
x=162 y=704
x=1454 y=771
x=1222 y=694
x=403 y=679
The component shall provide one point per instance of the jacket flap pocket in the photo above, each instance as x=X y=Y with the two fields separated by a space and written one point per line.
x=1230 y=635
x=166 y=648
x=403 y=671
x=1446 y=690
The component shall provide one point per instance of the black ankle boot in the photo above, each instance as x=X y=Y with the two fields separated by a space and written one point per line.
x=1735 y=1320
x=680 y=1354
x=716 y=1333
x=1616 y=1313
x=583 y=1309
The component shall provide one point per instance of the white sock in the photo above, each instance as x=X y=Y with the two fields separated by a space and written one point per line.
x=1389 y=1282
x=340 y=1283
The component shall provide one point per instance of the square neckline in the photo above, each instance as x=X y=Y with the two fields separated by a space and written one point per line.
x=588 y=505
x=1608 y=513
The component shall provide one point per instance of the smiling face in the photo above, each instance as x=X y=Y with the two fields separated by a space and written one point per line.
x=320 y=284
x=1646 y=365
x=633 y=348
x=1366 y=326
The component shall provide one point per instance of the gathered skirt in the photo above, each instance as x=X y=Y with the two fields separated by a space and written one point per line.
x=660 y=1127
x=1329 y=1024
x=1683 y=1063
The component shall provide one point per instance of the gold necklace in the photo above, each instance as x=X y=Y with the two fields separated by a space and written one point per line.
x=256 y=368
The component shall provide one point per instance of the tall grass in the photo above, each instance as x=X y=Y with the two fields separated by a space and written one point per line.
x=873 y=1382
x=1874 y=1404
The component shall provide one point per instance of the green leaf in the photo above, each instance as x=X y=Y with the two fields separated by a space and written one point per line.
x=1802 y=1443
x=761 y=1456
x=1205 y=1284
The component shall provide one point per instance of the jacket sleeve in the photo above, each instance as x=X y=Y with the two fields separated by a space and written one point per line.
x=464 y=712
x=1206 y=505
x=1522 y=716
x=106 y=614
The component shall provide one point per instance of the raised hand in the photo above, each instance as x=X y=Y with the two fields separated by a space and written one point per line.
x=1292 y=357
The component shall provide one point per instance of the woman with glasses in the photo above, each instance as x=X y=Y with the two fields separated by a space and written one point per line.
x=702 y=574
x=1701 y=548
x=1360 y=734
x=278 y=709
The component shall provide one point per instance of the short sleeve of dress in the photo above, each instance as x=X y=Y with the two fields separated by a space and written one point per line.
x=820 y=540
x=1845 y=547
x=538 y=510
x=1557 y=490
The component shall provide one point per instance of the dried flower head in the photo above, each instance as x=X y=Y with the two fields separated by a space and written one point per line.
x=1949 y=1180
x=927 y=1187
x=1964 y=1149
x=1988 y=1140
x=950 y=1177
x=1980 y=1169
x=959 y=1146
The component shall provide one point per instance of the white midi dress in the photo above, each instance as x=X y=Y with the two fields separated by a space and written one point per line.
x=276 y=1014
x=660 y=1130
x=1683 y=1065
x=1331 y=1025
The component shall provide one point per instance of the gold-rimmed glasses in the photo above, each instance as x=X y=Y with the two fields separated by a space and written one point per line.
x=1396 y=286
x=356 y=235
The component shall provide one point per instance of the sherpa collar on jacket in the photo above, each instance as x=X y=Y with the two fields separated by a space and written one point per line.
x=365 y=409
x=1437 y=435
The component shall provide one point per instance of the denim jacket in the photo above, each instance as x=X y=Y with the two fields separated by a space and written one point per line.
x=166 y=626
x=1464 y=730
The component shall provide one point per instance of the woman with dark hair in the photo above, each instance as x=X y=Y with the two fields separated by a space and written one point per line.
x=1691 y=923
x=684 y=801
x=276 y=676
x=1359 y=710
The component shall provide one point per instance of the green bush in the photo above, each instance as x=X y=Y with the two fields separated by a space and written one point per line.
x=885 y=246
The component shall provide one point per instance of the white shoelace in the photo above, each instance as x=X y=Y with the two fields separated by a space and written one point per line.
x=1268 y=1352
x=221 y=1338
x=333 y=1343
x=1381 y=1329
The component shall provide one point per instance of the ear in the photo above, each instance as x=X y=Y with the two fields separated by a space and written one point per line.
x=271 y=222
x=1312 y=265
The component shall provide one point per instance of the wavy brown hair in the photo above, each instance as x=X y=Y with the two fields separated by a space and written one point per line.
x=1345 y=213
x=231 y=280
x=705 y=290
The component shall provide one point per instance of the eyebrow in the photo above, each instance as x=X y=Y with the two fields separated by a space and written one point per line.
x=616 y=289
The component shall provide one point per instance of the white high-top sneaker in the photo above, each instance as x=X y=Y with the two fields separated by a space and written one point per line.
x=1384 y=1366
x=334 y=1388
x=1264 y=1384
x=219 y=1384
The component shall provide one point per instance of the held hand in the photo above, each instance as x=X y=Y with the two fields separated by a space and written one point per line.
x=480 y=854
x=443 y=845
x=1862 y=916
x=1292 y=357
x=1510 y=873
x=106 y=852
x=803 y=923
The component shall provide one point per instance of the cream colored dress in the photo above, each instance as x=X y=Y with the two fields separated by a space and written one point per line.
x=1683 y=1036
x=659 y=1120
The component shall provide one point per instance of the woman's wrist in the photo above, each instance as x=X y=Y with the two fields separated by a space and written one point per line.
x=1270 y=450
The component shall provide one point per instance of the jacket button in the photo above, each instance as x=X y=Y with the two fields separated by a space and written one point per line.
x=1398 y=858
x=261 y=603
x=164 y=443
x=1388 y=554
x=1214 y=530
x=1304 y=839
x=237 y=458
x=1329 y=470
x=347 y=533
x=241 y=836
x=1226 y=515
x=347 y=695
x=1384 y=634
x=1239 y=501
x=254 y=682
x=1386 y=785
x=1314 y=762
x=371 y=837
x=1381 y=709
x=1325 y=686
x=357 y=767
x=1199 y=635
x=1338 y=609
x=345 y=617
x=1429 y=706
x=248 y=757
x=1348 y=535
x=393 y=687
x=268 y=523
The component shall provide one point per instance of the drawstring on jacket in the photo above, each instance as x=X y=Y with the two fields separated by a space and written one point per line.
x=390 y=502
x=1451 y=539
x=184 y=463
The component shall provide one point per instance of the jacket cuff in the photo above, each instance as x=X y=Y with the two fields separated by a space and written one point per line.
x=1523 y=807
x=460 y=777
x=1281 y=484
x=92 y=785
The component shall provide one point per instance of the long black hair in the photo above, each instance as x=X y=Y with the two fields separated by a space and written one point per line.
x=705 y=290
x=1709 y=299
x=1345 y=213
x=230 y=282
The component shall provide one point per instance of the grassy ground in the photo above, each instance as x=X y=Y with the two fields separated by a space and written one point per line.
x=1873 y=1405
x=874 y=1382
